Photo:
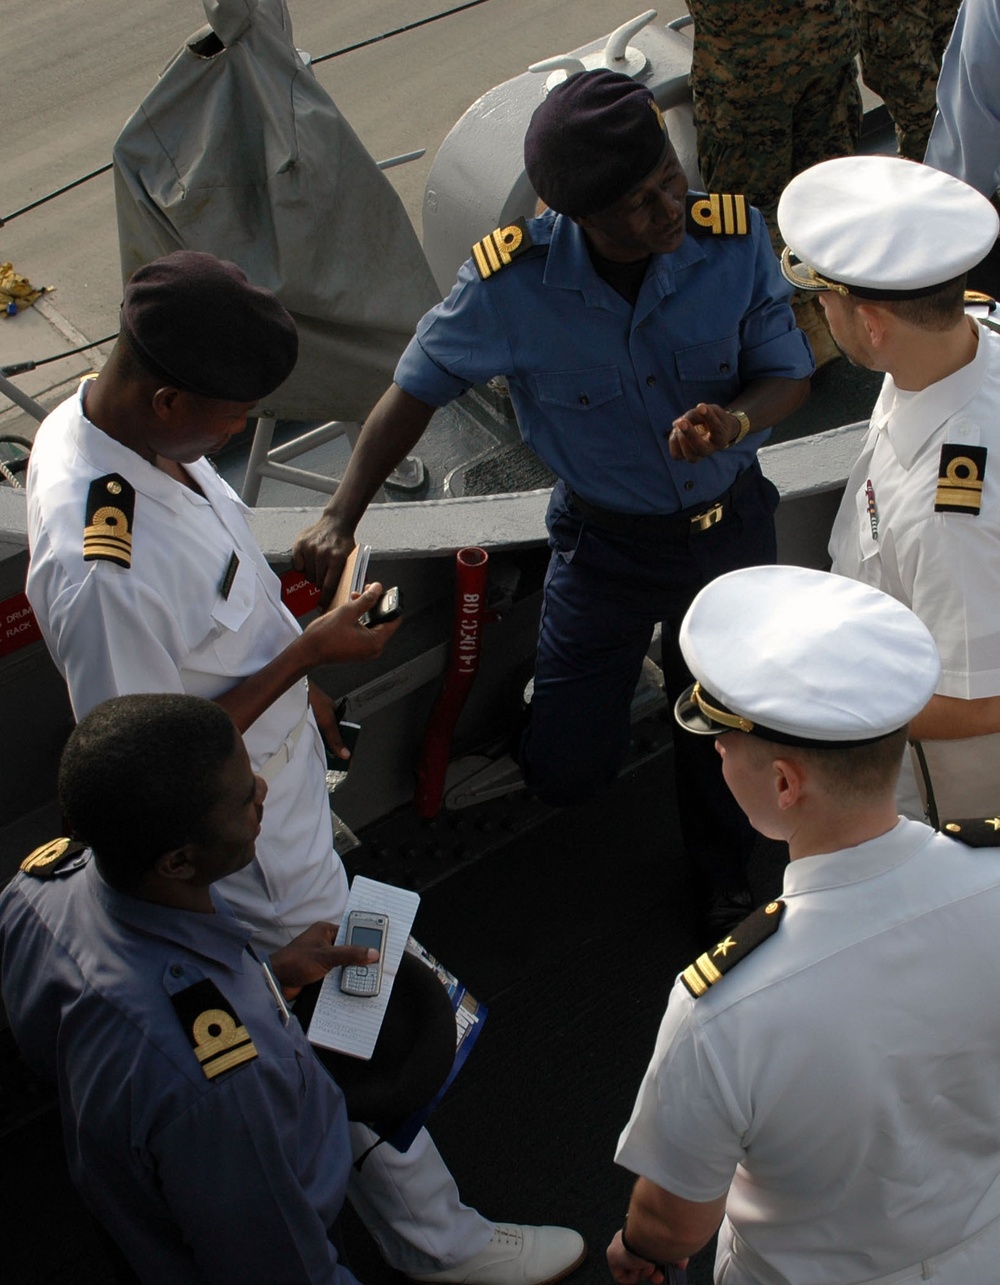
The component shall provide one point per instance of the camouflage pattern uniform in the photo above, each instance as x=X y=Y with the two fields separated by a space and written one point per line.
x=775 y=88
x=902 y=42
x=775 y=91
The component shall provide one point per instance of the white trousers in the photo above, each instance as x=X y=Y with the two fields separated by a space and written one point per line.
x=409 y=1202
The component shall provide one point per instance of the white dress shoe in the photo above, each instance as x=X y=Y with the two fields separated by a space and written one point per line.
x=517 y=1255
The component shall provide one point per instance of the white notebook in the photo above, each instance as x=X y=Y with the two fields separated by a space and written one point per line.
x=349 y=1023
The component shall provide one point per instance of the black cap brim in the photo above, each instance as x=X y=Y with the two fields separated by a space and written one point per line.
x=692 y=718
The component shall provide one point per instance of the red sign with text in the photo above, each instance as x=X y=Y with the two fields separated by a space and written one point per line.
x=18 y=626
x=298 y=594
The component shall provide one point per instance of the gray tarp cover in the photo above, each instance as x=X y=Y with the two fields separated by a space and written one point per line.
x=242 y=153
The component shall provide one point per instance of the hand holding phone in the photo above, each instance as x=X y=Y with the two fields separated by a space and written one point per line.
x=369 y=929
x=388 y=607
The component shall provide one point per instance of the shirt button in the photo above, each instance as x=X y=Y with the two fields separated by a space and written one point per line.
x=724 y=367
x=689 y=485
x=651 y=381
x=584 y=399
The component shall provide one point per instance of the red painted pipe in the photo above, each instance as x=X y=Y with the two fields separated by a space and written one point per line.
x=463 y=665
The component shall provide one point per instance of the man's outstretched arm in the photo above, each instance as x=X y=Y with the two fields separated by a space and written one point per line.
x=390 y=432
x=335 y=638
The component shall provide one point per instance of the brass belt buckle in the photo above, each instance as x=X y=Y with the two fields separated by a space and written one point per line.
x=702 y=521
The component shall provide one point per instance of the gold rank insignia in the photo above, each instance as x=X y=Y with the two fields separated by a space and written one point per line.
x=107 y=536
x=711 y=967
x=502 y=246
x=717 y=214
x=974 y=832
x=218 y=1037
x=960 y=479
x=57 y=857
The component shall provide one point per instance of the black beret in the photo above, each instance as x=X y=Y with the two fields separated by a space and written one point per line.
x=197 y=323
x=594 y=138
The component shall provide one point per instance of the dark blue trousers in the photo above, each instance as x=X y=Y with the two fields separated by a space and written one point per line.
x=604 y=593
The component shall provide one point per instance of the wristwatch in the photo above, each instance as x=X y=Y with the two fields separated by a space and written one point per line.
x=744 y=419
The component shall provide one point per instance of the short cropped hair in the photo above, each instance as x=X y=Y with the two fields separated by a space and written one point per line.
x=139 y=776
x=857 y=775
x=937 y=311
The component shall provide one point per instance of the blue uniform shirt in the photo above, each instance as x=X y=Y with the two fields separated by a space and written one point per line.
x=234 y=1178
x=596 y=384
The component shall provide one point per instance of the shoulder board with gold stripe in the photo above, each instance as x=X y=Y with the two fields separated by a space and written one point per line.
x=110 y=510
x=745 y=937
x=219 y=1039
x=57 y=857
x=976 y=299
x=961 y=473
x=501 y=247
x=975 y=832
x=717 y=214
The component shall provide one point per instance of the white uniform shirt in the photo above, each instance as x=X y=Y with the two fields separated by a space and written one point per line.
x=843 y=1077
x=945 y=566
x=164 y=625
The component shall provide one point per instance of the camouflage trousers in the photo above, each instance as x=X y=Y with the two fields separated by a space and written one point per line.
x=902 y=42
x=755 y=135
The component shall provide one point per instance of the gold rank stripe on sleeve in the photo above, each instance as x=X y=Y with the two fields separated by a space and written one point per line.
x=717 y=214
x=218 y=1038
x=713 y=965
x=961 y=474
x=500 y=248
x=107 y=535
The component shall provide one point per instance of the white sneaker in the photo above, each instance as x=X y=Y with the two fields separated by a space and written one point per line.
x=517 y=1255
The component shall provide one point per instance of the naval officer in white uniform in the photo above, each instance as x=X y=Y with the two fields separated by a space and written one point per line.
x=824 y=1080
x=145 y=576
x=886 y=244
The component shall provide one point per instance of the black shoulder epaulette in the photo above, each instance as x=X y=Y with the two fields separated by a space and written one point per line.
x=745 y=937
x=975 y=832
x=502 y=246
x=960 y=479
x=717 y=214
x=57 y=857
x=218 y=1037
x=110 y=510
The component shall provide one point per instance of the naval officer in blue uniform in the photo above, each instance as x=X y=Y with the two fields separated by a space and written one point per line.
x=199 y=1127
x=648 y=345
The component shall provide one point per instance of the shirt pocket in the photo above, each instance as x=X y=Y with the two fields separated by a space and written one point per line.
x=590 y=406
x=706 y=363
x=580 y=390
x=231 y=615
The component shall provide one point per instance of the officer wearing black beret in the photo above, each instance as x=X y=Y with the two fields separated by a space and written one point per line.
x=145 y=576
x=648 y=345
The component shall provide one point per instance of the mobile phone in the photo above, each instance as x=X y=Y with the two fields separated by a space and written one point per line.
x=349 y=733
x=388 y=607
x=370 y=929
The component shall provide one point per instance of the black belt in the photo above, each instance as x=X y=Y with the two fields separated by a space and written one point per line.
x=699 y=517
